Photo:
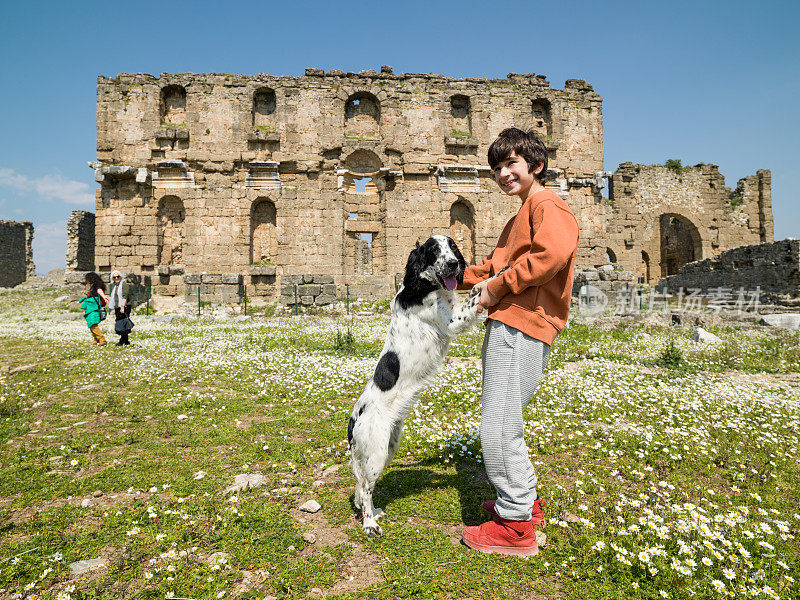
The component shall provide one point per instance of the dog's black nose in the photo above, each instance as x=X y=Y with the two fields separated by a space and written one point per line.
x=452 y=264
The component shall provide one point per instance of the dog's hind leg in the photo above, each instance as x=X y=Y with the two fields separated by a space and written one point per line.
x=373 y=467
x=394 y=442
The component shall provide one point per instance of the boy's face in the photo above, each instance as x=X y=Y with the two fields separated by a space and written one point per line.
x=513 y=177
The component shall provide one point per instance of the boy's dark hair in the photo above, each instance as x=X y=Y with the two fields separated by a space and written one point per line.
x=527 y=145
x=95 y=280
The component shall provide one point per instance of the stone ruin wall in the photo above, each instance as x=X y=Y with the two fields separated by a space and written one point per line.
x=662 y=218
x=80 y=241
x=774 y=267
x=213 y=173
x=16 y=253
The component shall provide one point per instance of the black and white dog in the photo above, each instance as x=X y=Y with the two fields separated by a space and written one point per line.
x=426 y=315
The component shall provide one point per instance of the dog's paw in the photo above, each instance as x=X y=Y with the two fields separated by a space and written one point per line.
x=378 y=514
x=372 y=530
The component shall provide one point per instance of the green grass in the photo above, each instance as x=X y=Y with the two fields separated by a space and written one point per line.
x=620 y=438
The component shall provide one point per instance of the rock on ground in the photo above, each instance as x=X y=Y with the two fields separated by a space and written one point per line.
x=83 y=566
x=785 y=320
x=705 y=337
x=311 y=506
x=246 y=481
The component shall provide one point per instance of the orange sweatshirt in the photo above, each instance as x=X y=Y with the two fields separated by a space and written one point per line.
x=539 y=245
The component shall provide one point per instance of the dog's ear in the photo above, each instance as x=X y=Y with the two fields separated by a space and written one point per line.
x=415 y=265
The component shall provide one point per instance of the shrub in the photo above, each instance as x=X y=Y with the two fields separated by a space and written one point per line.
x=671 y=356
x=345 y=342
x=674 y=164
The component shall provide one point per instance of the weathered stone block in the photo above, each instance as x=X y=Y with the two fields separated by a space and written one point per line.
x=212 y=278
x=324 y=300
x=262 y=270
x=309 y=289
x=192 y=278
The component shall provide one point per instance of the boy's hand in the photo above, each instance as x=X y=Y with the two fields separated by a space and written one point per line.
x=486 y=299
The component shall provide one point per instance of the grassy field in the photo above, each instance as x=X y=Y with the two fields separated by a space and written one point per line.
x=670 y=469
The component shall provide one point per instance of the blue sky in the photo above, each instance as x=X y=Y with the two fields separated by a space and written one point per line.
x=714 y=82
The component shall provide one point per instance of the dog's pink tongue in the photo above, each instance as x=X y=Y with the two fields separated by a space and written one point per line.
x=450 y=282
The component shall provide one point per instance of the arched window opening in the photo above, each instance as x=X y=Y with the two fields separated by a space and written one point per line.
x=645 y=267
x=170 y=217
x=263 y=238
x=680 y=243
x=264 y=109
x=611 y=257
x=173 y=105
x=362 y=116
x=542 y=118
x=460 y=116
x=462 y=229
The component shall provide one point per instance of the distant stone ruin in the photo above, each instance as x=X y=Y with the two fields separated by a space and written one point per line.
x=663 y=218
x=773 y=267
x=338 y=174
x=80 y=241
x=16 y=253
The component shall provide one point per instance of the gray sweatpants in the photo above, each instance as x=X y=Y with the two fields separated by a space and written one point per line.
x=513 y=363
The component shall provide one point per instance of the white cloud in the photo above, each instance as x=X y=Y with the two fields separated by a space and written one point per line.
x=49 y=187
x=49 y=246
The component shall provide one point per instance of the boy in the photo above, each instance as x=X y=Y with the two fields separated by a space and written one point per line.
x=528 y=305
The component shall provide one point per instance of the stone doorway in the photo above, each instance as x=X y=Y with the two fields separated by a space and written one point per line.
x=263 y=239
x=171 y=216
x=680 y=243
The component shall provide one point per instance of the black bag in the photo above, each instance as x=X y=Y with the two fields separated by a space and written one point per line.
x=124 y=325
x=101 y=308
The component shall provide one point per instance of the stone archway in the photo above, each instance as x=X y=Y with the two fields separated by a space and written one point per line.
x=263 y=242
x=173 y=105
x=645 y=267
x=462 y=228
x=680 y=243
x=362 y=116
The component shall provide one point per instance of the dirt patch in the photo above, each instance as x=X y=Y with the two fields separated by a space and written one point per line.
x=546 y=588
x=250 y=581
x=359 y=571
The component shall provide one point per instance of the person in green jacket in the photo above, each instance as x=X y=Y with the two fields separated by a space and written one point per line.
x=91 y=304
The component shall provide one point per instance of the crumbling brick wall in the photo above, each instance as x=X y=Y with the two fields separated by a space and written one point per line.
x=661 y=218
x=774 y=267
x=16 y=252
x=80 y=241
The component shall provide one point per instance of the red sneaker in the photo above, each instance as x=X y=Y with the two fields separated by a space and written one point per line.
x=537 y=514
x=516 y=538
